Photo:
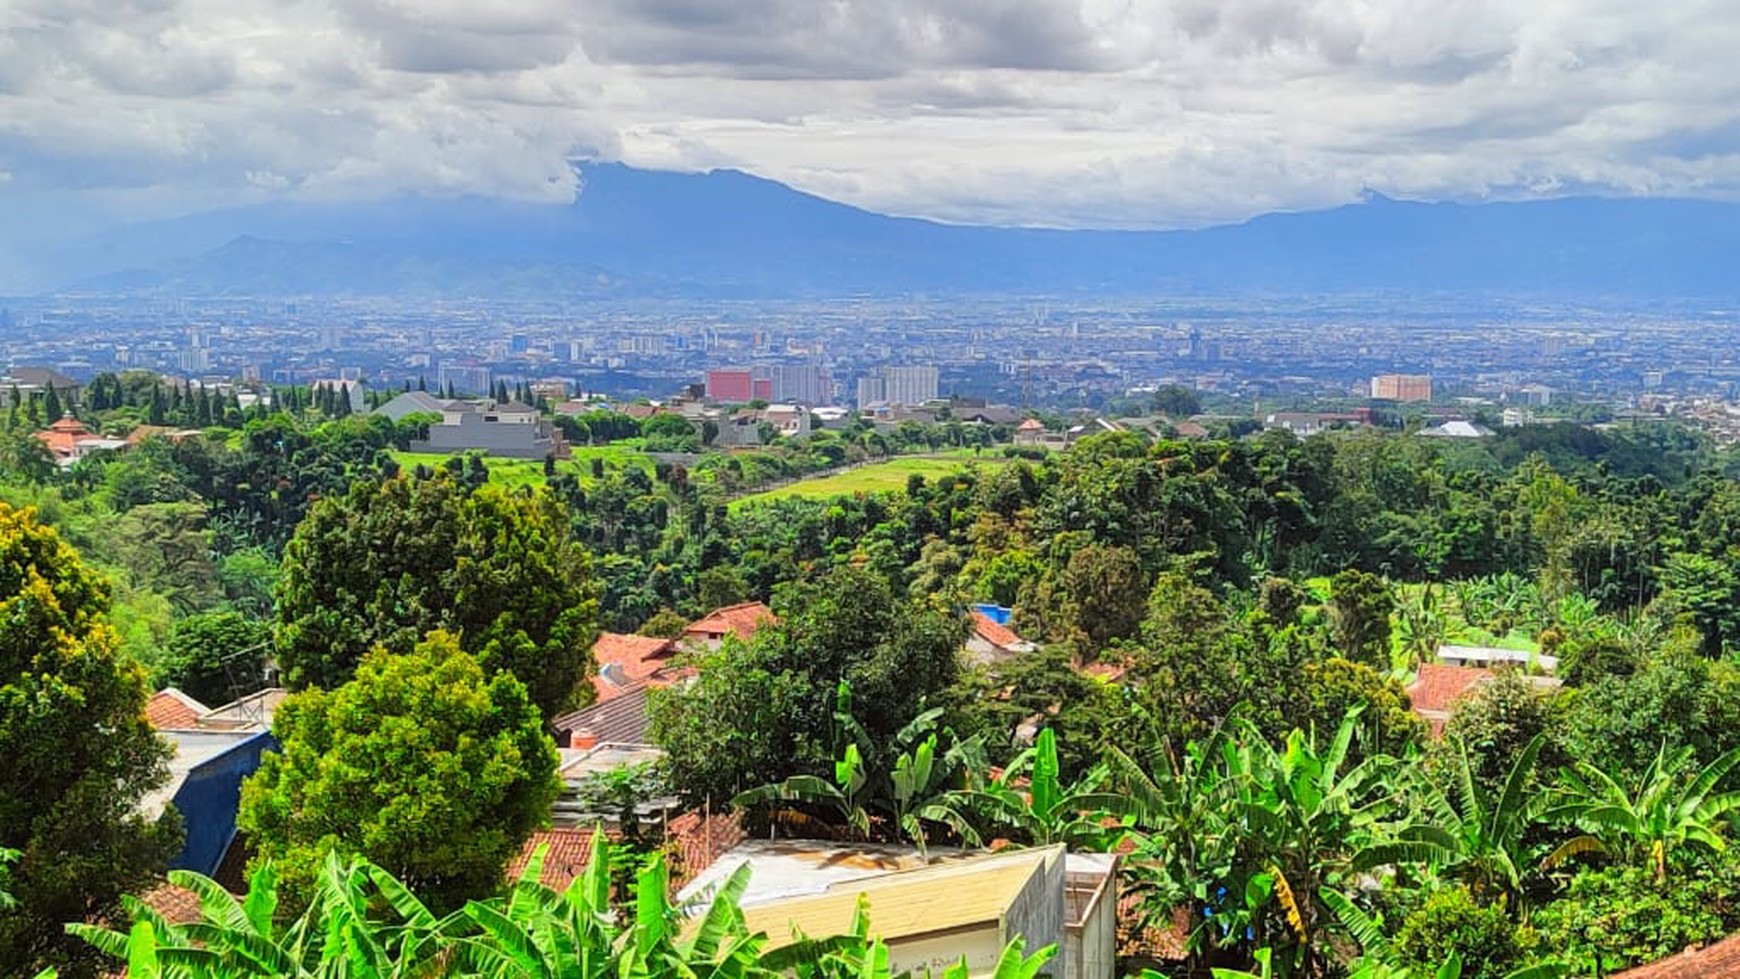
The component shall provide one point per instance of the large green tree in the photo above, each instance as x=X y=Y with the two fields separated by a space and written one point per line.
x=422 y=764
x=395 y=559
x=214 y=657
x=79 y=755
x=763 y=710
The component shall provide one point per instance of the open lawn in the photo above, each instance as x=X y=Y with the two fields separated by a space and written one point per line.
x=881 y=477
x=513 y=473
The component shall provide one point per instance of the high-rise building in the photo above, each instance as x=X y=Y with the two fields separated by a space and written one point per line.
x=1402 y=387
x=798 y=384
x=898 y=385
x=732 y=386
x=464 y=378
x=912 y=385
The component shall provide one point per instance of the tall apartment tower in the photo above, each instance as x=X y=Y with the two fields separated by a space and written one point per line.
x=898 y=385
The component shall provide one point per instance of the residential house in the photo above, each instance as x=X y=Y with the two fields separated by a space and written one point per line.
x=1438 y=687
x=1718 y=961
x=626 y=661
x=353 y=390
x=511 y=430
x=205 y=786
x=1457 y=428
x=931 y=909
x=733 y=620
x=69 y=441
x=214 y=750
x=1490 y=656
x=991 y=640
x=1030 y=432
x=1303 y=423
x=36 y=380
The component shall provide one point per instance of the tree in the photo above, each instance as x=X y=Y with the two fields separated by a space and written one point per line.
x=79 y=755
x=761 y=711
x=1360 y=605
x=1107 y=593
x=215 y=657
x=395 y=559
x=1176 y=401
x=1496 y=722
x=421 y=763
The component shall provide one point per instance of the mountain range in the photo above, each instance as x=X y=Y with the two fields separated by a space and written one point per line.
x=639 y=233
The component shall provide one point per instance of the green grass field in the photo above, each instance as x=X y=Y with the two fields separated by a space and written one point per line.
x=882 y=477
x=514 y=473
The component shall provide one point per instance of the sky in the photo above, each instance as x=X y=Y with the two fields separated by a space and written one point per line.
x=1104 y=113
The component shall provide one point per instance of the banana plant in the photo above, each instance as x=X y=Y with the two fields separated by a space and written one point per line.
x=1027 y=802
x=916 y=791
x=1661 y=814
x=1468 y=836
x=339 y=934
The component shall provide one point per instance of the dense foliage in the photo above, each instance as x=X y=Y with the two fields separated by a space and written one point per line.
x=394 y=559
x=420 y=763
x=79 y=755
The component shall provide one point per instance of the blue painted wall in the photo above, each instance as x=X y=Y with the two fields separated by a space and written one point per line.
x=209 y=800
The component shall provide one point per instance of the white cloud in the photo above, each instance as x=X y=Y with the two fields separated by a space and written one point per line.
x=1105 y=112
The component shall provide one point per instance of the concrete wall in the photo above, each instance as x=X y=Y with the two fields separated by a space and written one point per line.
x=510 y=440
x=1090 y=943
x=1038 y=913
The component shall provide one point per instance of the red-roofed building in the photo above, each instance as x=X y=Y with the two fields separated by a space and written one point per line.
x=626 y=661
x=171 y=710
x=570 y=850
x=69 y=440
x=1438 y=687
x=1718 y=961
x=990 y=640
x=732 y=620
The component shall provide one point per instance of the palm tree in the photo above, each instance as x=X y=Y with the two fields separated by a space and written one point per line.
x=1661 y=814
x=1464 y=834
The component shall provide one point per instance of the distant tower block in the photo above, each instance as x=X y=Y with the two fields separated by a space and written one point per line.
x=1402 y=387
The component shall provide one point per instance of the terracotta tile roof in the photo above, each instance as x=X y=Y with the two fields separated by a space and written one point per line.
x=620 y=720
x=178 y=904
x=994 y=633
x=1438 y=686
x=1718 y=961
x=62 y=438
x=739 y=620
x=624 y=661
x=171 y=710
x=697 y=840
x=570 y=851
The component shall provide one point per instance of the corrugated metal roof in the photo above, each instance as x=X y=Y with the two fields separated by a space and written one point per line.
x=908 y=903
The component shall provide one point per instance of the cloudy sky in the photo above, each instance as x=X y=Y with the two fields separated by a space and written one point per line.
x=1157 y=113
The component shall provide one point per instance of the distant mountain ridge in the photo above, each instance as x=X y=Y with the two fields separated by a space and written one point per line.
x=729 y=234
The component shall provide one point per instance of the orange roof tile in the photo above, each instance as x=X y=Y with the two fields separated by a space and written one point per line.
x=739 y=620
x=1718 y=961
x=1438 y=687
x=624 y=661
x=171 y=710
x=178 y=904
x=570 y=851
x=994 y=633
